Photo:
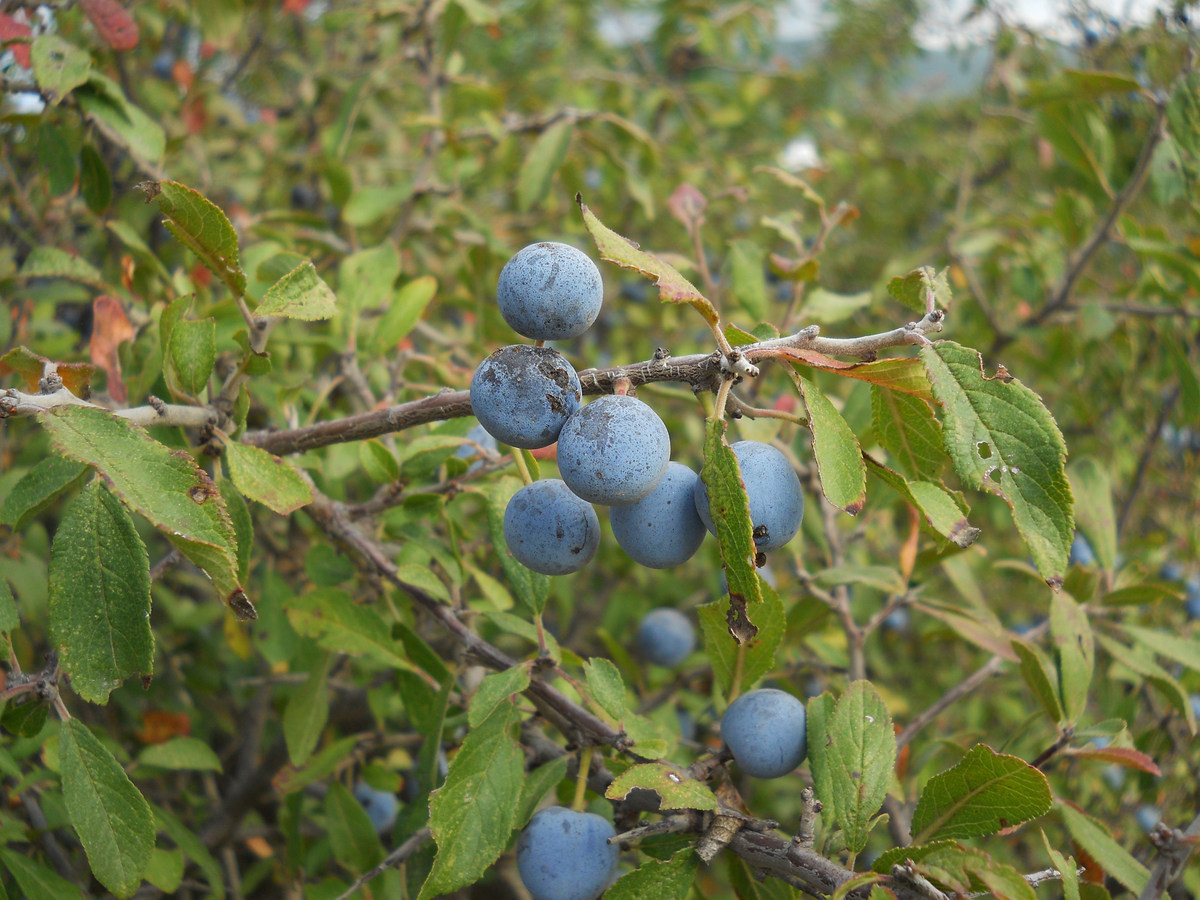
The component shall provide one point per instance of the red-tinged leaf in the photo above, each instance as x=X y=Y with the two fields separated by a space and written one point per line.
x=672 y=287
x=900 y=374
x=1122 y=756
x=110 y=329
x=687 y=205
x=19 y=33
x=76 y=377
x=113 y=21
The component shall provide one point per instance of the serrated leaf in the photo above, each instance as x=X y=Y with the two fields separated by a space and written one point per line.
x=200 y=225
x=366 y=279
x=904 y=374
x=914 y=288
x=1099 y=844
x=58 y=66
x=746 y=278
x=606 y=686
x=99 y=613
x=473 y=813
x=494 y=690
x=403 y=313
x=1001 y=438
x=910 y=433
x=722 y=648
x=193 y=353
x=352 y=835
x=672 y=287
x=676 y=789
x=820 y=760
x=935 y=503
x=110 y=815
x=541 y=162
x=1074 y=652
x=836 y=449
x=654 y=879
x=531 y=588
x=306 y=713
x=271 y=481
x=338 y=623
x=39 y=488
x=165 y=486
x=300 y=294
x=50 y=262
x=860 y=752
x=1042 y=680
x=1094 y=513
x=729 y=509
x=243 y=525
x=181 y=754
x=982 y=794
x=36 y=881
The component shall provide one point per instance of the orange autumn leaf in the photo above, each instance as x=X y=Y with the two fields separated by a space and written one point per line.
x=110 y=329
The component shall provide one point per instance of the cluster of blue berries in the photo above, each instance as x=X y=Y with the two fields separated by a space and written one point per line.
x=614 y=451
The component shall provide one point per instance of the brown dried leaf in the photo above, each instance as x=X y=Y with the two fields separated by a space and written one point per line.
x=110 y=329
x=113 y=21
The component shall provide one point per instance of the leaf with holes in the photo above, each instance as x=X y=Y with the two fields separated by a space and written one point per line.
x=1001 y=438
x=676 y=789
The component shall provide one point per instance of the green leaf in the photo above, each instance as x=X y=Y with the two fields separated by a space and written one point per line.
x=300 y=294
x=50 y=262
x=913 y=289
x=676 y=789
x=820 y=760
x=473 y=813
x=403 y=313
x=321 y=766
x=425 y=579
x=367 y=279
x=111 y=817
x=58 y=66
x=1074 y=652
x=1138 y=661
x=910 y=433
x=95 y=182
x=606 y=686
x=165 y=486
x=352 y=835
x=1004 y=882
x=39 y=488
x=1001 y=438
x=99 y=611
x=531 y=588
x=306 y=713
x=200 y=225
x=338 y=623
x=494 y=690
x=1079 y=84
x=165 y=869
x=539 y=783
x=1183 y=113
x=722 y=648
x=860 y=753
x=36 y=881
x=541 y=162
x=194 y=849
x=1042 y=680
x=271 y=481
x=1066 y=868
x=658 y=879
x=371 y=203
x=746 y=278
x=56 y=158
x=936 y=505
x=1094 y=508
x=9 y=619
x=122 y=122
x=984 y=793
x=672 y=287
x=730 y=511
x=1183 y=650
x=748 y=886
x=378 y=461
x=193 y=353
x=243 y=526
x=1189 y=384
x=1108 y=854
x=835 y=446
x=881 y=578
x=181 y=754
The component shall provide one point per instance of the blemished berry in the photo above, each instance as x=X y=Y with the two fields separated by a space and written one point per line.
x=380 y=805
x=524 y=395
x=614 y=451
x=549 y=529
x=666 y=637
x=1081 y=552
x=767 y=732
x=662 y=529
x=773 y=489
x=565 y=855
x=550 y=292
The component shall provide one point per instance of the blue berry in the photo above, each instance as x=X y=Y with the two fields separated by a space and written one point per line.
x=773 y=488
x=1171 y=572
x=897 y=620
x=767 y=732
x=550 y=292
x=380 y=805
x=565 y=855
x=549 y=529
x=523 y=395
x=666 y=637
x=1192 y=597
x=614 y=451
x=1081 y=552
x=1148 y=816
x=662 y=529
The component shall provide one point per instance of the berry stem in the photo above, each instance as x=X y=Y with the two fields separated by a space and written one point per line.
x=543 y=652
x=519 y=459
x=581 y=780
x=722 y=399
